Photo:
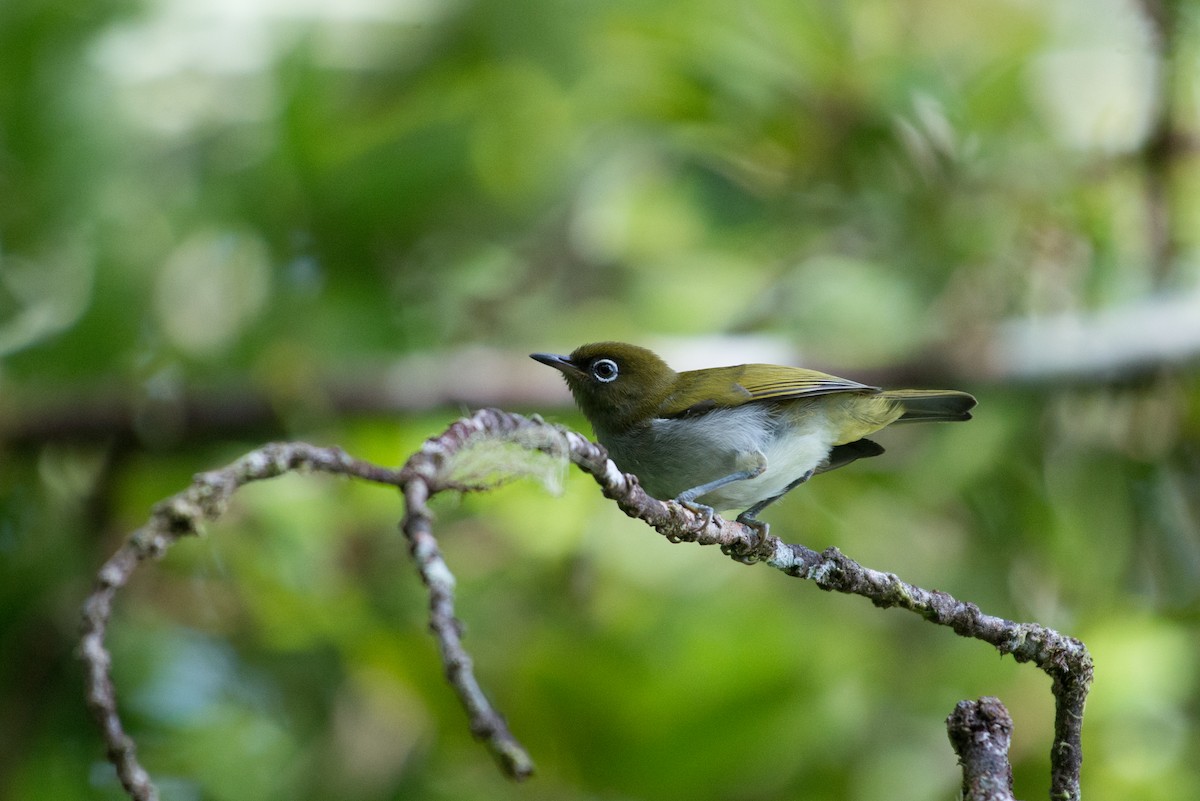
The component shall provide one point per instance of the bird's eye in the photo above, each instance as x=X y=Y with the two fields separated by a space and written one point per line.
x=605 y=370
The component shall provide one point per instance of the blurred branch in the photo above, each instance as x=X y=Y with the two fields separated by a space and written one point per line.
x=1162 y=145
x=1158 y=332
x=980 y=732
x=1099 y=347
x=1171 y=138
x=433 y=469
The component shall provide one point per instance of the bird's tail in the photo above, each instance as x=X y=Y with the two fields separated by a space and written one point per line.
x=932 y=405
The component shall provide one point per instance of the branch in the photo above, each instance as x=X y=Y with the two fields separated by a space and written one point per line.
x=980 y=732
x=206 y=499
x=439 y=467
x=1064 y=659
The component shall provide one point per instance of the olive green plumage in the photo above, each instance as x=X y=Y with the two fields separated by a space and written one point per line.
x=737 y=436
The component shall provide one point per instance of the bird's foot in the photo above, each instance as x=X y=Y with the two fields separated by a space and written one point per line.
x=687 y=498
x=703 y=511
x=748 y=554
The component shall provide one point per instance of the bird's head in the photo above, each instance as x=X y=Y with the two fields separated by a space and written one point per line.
x=616 y=385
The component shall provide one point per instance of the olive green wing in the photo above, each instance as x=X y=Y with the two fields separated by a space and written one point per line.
x=766 y=381
x=700 y=391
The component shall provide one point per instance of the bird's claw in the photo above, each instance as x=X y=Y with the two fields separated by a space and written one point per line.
x=703 y=511
x=753 y=553
x=748 y=553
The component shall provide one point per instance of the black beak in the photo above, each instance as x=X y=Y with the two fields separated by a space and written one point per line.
x=557 y=362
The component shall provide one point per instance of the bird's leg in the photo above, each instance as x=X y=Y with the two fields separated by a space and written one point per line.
x=687 y=498
x=750 y=516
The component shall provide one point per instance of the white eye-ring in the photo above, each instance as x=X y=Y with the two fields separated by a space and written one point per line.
x=605 y=370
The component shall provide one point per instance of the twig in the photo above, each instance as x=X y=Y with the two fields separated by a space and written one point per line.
x=431 y=470
x=980 y=732
x=484 y=721
x=1065 y=659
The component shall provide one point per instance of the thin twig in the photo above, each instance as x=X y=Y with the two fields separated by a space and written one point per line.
x=485 y=722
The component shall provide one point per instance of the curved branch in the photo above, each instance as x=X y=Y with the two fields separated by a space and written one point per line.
x=1065 y=659
x=433 y=469
x=180 y=516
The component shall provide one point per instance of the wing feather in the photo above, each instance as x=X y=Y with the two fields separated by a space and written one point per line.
x=767 y=381
x=699 y=391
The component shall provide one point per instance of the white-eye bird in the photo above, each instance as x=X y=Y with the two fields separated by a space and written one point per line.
x=735 y=437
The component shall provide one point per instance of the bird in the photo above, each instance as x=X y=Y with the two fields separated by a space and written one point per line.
x=737 y=437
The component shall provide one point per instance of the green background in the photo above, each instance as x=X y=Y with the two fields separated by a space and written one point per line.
x=226 y=223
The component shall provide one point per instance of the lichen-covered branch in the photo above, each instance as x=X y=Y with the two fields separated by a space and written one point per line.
x=485 y=722
x=184 y=515
x=980 y=732
x=444 y=464
x=1065 y=659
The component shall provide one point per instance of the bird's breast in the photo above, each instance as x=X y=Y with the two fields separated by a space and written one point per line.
x=670 y=455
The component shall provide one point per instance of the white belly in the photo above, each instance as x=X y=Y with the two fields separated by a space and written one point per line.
x=673 y=455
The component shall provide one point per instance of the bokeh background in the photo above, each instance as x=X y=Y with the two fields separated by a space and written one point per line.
x=233 y=221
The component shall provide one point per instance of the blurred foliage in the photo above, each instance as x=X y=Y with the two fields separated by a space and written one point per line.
x=265 y=194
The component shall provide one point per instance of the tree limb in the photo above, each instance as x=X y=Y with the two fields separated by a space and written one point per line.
x=434 y=469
